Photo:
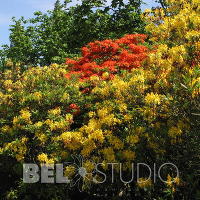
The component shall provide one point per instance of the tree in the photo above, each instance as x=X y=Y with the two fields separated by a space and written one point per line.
x=50 y=37
x=163 y=3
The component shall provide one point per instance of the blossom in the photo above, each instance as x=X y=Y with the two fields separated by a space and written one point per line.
x=73 y=106
x=56 y=111
x=97 y=135
x=144 y=182
x=132 y=139
x=128 y=155
x=109 y=56
x=174 y=131
x=116 y=142
x=37 y=96
x=25 y=115
x=152 y=98
x=109 y=154
x=43 y=158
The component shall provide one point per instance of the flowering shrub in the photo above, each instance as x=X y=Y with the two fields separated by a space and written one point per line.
x=148 y=114
x=105 y=58
x=35 y=107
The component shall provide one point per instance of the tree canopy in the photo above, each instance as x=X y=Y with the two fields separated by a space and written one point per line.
x=50 y=37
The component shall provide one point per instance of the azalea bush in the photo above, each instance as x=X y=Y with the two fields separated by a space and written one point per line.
x=121 y=102
x=106 y=58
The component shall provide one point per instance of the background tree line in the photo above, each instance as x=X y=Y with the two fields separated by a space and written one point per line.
x=50 y=37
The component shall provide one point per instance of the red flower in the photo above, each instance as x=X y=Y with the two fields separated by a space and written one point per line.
x=108 y=56
x=75 y=110
x=86 y=90
x=73 y=106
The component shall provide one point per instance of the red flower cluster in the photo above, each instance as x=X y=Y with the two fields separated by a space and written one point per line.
x=74 y=109
x=108 y=56
x=73 y=106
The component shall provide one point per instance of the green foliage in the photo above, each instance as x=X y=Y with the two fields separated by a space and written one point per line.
x=163 y=3
x=50 y=37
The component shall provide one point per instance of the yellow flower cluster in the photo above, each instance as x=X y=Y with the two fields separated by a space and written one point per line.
x=71 y=140
x=172 y=183
x=41 y=137
x=152 y=98
x=43 y=158
x=56 y=111
x=18 y=148
x=144 y=183
x=25 y=116
x=37 y=96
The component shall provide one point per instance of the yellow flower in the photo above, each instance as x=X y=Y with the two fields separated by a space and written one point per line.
x=9 y=63
x=5 y=129
x=177 y=53
x=144 y=183
x=1 y=150
x=37 y=96
x=105 y=75
x=93 y=124
x=109 y=154
x=152 y=98
x=48 y=122
x=24 y=139
x=128 y=155
x=91 y=114
x=19 y=157
x=38 y=124
x=102 y=112
x=192 y=35
x=94 y=78
x=139 y=130
x=132 y=139
x=54 y=65
x=25 y=115
x=174 y=131
x=7 y=83
x=41 y=137
x=56 y=111
x=67 y=136
x=55 y=138
x=18 y=148
x=147 y=10
x=116 y=142
x=72 y=140
x=127 y=117
x=65 y=97
x=88 y=147
x=177 y=180
x=162 y=48
x=69 y=171
x=122 y=107
x=16 y=120
x=89 y=166
x=43 y=158
x=169 y=181
x=97 y=135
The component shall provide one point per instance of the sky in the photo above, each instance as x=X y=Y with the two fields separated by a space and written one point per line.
x=26 y=8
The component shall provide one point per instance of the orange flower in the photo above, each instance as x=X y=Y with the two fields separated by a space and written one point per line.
x=109 y=56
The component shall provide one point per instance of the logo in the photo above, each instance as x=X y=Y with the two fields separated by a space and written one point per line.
x=54 y=173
